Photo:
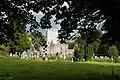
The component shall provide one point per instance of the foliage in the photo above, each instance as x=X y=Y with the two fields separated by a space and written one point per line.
x=38 y=39
x=90 y=35
x=85 y=16
x=79 y=41
x=78 y=15
x=77 y=53
x=102 y=60
x=118 y=46
x=103 y=50
x=16 y=36
x=5 y=76
x=24 y=43
x=96 y=46
x=82 y=52
x=90 y=51
x=52 y=56
x=113 y=53
x=3 y=50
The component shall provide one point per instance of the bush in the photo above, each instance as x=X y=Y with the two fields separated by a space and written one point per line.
x=113 y=53
x=3 y=50
x=79 y=53
x=53 y=56
x=69 y=56
x=102 y=60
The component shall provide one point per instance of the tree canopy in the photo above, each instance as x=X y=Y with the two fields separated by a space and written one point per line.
x=77 y=15
x=37 y=39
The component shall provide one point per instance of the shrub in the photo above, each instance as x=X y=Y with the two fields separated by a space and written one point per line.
x=69 y=56
x=113 y=53
x=102 y=60
x=3 y=50
x=79 y=53
x=76 y=53
x=54 y=56
x=5 y=76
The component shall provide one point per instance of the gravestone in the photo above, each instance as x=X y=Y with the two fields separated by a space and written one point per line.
x=83 y=59
x=46 y=58
x=96 y=57
x=15 y=55
x=43 y=56
x=24 y=55
x=64 y=57
x=11 y=54
x=72 y=59
x=106 y=57
x=101 y=57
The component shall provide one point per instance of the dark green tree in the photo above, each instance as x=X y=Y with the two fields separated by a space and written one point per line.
x=81 y=47
x=87 y=38
x=79 y=15
x=77 y=53
x=96 y=46
x=103 y=50
x=82 y=53
x=90 y=52
x=113 y=53
x=3 y=50
x=23 y=43
x=38 y=39
x=17 y=37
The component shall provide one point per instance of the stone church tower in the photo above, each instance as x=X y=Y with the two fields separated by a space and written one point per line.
x=52 y=36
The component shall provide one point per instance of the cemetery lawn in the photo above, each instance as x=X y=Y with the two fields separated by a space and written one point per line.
x=43 y=70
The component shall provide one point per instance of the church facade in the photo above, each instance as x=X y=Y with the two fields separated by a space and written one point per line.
x=53 y=45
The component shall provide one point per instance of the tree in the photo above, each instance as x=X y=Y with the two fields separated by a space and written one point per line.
x=79 y=15
x=17 y=37
x=103 y=50
x=96 y=46
x=80 y=48
x=113 y=53
x=77 y=53
x=23 y=43
x=3 y=50
x=90 y=51
x=82 y=53
x=91 y=36
x=14 y=12
x=38 y=39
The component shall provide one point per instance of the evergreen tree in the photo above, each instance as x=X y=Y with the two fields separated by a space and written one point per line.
x=82 y=52
x=76 y=54
x=113 y=53
x=90 y=51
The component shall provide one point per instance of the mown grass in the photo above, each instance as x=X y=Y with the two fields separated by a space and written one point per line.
x=45 y=70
